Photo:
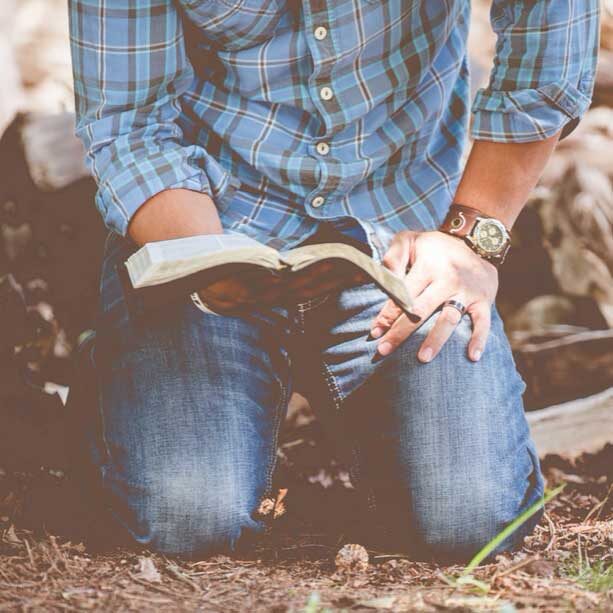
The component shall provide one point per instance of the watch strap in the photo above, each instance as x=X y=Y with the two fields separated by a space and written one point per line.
x=460 y=220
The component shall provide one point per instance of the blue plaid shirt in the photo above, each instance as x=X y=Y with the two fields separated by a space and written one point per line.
x=289 y=112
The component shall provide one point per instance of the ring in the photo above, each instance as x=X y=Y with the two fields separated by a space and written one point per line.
x=456 y=304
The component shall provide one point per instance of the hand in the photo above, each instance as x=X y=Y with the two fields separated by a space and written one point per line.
x=247 y=288
x=442 y=267
x=257 y=286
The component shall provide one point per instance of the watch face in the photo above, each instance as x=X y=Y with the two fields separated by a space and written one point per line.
x=490 y=235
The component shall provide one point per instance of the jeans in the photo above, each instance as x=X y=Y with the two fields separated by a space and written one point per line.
x=190 y=406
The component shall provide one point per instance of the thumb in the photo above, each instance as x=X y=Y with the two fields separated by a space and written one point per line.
x=398 y=255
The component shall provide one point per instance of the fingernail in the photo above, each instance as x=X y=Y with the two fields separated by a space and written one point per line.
x=384 y=348
x=413 y=317
x=425 y=355
x=476 y=354
x=376 y=332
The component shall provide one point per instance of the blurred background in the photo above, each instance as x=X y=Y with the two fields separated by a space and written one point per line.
x=556 y=292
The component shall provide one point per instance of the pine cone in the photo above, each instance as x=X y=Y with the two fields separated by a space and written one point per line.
x=352 y=557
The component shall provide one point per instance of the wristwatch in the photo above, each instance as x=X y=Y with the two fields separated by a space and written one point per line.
x=486 y=236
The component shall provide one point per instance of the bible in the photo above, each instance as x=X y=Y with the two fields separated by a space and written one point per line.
x=162 y=270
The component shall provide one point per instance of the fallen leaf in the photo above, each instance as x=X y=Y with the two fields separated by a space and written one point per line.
x=266 y=507
x=10 y=536
x=147 y=571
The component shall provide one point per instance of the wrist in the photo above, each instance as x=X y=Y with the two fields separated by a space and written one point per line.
x=486 y=235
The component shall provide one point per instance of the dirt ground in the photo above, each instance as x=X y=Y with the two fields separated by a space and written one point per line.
x=566 y=565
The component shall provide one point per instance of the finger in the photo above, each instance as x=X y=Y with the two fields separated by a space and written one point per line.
x=441 y=331
x=481 y=316
x=416 y=281
x=429 y=300
x=396 y=258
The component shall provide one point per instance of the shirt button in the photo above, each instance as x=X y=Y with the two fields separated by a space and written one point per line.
x=320 y=33
x=317 y=201
x=325 y=93
x=322 y=148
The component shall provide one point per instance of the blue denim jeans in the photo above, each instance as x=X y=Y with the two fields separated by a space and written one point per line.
x=190 y=405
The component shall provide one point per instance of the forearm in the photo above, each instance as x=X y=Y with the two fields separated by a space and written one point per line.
x=499 y=177
x=174 y=213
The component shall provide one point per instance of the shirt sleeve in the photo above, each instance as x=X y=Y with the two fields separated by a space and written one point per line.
x=544 y=70
x=130 y=70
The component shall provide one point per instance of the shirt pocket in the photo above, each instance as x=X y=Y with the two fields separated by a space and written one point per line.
x=235 y=24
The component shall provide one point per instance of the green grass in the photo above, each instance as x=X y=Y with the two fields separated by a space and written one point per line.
x=482 y=554
x=466 y=578
x=596 y=577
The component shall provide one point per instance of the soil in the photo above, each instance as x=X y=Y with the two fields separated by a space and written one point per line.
x=47 y=561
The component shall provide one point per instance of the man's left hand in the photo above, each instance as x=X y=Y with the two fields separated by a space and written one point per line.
x=442 y=267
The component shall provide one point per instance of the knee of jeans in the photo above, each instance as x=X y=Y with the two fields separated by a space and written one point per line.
x=455 y=527
x=186 y=516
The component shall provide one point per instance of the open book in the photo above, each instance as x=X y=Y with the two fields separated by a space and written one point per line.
x=162 y=269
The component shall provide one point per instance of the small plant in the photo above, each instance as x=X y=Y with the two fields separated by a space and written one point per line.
x=596 y=577
x=466 y=577
x=313 y=605
x=483 y=553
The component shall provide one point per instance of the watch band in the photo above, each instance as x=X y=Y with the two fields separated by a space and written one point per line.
x=460 y=221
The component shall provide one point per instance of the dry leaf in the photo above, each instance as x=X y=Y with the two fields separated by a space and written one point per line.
x=274 y=506
x=147 y=571
x=279 y=504
x=10 y=536
x=279 y=510
x=266 y=506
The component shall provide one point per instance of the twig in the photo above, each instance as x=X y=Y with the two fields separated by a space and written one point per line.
x=598 y=507
x=552 y=531
x=512 y=569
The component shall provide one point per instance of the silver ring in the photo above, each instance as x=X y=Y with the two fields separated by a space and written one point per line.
x=456 y=304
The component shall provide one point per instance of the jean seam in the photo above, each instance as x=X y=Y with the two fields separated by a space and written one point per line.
x=272 y=462
x=104 y=467
x=337 y=397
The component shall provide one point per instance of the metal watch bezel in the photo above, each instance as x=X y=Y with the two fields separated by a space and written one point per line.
x=472 y=237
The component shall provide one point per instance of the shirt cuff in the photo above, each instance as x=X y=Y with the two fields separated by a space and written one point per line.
x=528 y=115
x=123 y=193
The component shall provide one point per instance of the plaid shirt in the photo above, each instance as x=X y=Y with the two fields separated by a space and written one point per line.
x=288 y=112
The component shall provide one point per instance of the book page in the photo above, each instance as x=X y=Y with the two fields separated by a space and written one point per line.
x=302 y=257
x=163 y=261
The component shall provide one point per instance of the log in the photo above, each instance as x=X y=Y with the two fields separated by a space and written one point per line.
x=577 y=220
x=11 y=96
x=572 y=428
x=566 y=368
x=55 y=156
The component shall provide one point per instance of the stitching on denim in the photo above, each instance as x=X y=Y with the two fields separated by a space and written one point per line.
x=104 y=467
x=337 y=398
x=272 y=462
x=333 y=387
